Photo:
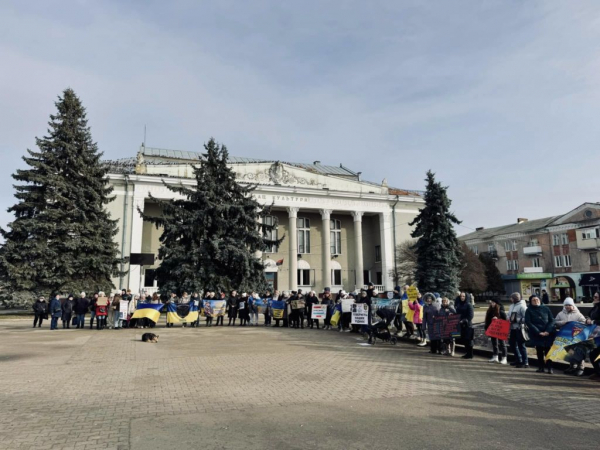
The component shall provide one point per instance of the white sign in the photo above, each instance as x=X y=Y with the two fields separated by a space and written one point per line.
x=347 y=305
x=123 y=307
x=360 y=314
x=318 y=312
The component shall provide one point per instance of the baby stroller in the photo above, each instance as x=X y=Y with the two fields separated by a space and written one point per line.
x=380 y=330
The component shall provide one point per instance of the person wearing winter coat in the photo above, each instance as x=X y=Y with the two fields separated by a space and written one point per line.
x=93 y=310
x=540 y=322
x=418 y=321
x=55 y=312
x=242 y=308
x=495 y=312
x=464 y=309
x=311 y=300
x=67 y=311
x=232 y=305
x=446 y=309
x=327 y=300
x=40 y=310
x=570 y=313
x=430 y=311
x=516 y=316
x=545 y=297
x=594 y=319
x=80 y=308
x=115 y=306
x=398 y=319
x=102 y=305
x=131 y=307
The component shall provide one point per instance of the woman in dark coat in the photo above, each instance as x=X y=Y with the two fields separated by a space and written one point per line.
x=40 y=309
x=232 y=307
x=465 y=309
x=494 y=312
x=540 y=321
x=243 y=310
x=67 y=311
x=595 y=319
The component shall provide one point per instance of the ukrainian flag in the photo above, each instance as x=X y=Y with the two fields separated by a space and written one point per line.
x=148 y=311
x=278 y=307
x=173 y=317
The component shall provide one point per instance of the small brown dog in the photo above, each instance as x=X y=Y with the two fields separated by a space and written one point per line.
x=150 y=337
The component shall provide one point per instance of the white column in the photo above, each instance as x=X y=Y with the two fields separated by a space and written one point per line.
x=326 y=238
x=358 y=263
x=258 y=253
x=293 y=256
x=137 y=232
x=387 y=250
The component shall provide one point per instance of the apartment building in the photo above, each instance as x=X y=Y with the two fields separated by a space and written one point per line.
x=558 y=254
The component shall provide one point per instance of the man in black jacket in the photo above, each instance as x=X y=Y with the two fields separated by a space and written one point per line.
x=40 y=309
x=80 y=307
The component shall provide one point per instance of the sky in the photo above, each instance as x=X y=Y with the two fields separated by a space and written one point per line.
x=500 y=99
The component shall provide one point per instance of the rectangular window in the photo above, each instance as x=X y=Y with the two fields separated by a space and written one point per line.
x=149 y=277
x=491 y=248
x=567 y=260
x=378 y=253
x=367 y=276
x=336 y=277
x=558 y=261
x=564 y=238
x=591 y=233
x=304 y=277
x=555 y=239
x=271 y=234
x=535 y=262
x=303 y=225
x=516 y=264
x=534 y=243
x=379 y=278
x=514 y=246
x=335 y=236
x=508 y=264
x=593 y=259
x=507 y=246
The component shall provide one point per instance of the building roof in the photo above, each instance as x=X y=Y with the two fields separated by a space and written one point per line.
x=523 y=227
x=150 y=152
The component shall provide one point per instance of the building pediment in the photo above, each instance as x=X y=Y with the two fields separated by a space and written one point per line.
x=583 y=213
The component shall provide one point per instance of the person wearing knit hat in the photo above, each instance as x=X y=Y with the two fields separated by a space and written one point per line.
x=568 y=302
x=570 y=313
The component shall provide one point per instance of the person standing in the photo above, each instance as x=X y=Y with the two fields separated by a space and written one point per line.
x=102 y=305
x=253 y=308
x=329 y=306
x=232 y=305
x=594 y=319
x=495 y=312
x=540 y=322
x=92 y=307
x=570 y=313
x=311 y=300
x=398 y=319
x=545 y=297
x=267 y=311
x=55 y=312
x=80 y=307
x=430 y=312
x=418 y=321
x=516 y=315
x=116 y=309
x=131 y=307
x=446 y=309
x=242 y=307
x=67 y=311
x=464 y=308
x=40 y=310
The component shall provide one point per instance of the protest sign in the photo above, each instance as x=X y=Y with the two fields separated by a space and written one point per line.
x=435 y=332
x=412 y=292
x=451 y=327
x=218 y=307
x=318 y=312
x=260 y=305
x=570 y=333
x=347 y=305
x=278 y=307
x=499 y=329
x=123 y=307
x=297 y=304
x=360 y=314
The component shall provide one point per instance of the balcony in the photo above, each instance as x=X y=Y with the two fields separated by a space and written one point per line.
x=588 y=244
x=533 y=269
x=532 y=250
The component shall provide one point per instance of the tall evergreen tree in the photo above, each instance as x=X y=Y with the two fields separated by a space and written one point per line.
x=438 y=248
x=62 y=237
x=211 y=234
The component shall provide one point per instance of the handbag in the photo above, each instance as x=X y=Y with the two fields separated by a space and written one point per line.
x=525 y=333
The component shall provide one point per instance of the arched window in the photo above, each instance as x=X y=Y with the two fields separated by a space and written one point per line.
x=304 y=278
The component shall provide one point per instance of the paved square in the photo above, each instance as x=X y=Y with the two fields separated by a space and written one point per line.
x=269 y=388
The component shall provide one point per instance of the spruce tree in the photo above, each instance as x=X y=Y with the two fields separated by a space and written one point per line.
x=61 y=240
x=211 y=234
x=438 y=249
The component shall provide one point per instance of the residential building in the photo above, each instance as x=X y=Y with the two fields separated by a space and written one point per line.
x=559 y=254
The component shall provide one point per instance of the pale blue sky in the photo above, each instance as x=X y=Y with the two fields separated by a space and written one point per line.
x=499 y=98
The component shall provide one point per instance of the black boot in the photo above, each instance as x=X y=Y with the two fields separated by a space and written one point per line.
x=549 y=367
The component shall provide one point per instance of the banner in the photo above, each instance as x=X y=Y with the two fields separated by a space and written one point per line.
x=385 y=303
x=451 y=327
x=123 y=308
x=278 y=308
x=499 y=329
x=569 y=334
x=360 y=314
x=260 y=304
x=148 y=311
x=347 y=305
x=318 y=312
x=176 y=315
x=218 y=307
x=435 y=331
x=298 y=304
x=577 y=353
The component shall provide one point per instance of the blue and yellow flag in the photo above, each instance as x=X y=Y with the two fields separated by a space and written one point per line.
x=174 y=317
x=278 y=307
x=148 y=311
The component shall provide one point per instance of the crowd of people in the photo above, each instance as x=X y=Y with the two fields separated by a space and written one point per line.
x=532 y=324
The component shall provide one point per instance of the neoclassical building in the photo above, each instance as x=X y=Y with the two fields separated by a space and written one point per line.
x=339 y=230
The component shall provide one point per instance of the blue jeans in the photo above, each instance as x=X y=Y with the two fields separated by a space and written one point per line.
x=80 y=320
x=92 y=315
x=517 y=346
x=54 y=323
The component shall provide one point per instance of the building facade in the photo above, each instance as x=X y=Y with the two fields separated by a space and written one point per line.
x=558 y=254
x=339 y=230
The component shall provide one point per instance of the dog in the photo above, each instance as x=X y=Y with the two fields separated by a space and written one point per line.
x=150 y=337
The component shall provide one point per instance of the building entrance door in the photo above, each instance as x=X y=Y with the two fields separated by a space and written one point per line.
x=271 y=279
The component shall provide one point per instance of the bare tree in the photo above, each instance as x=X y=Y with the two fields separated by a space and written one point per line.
x=472 y=276
x=406 y=263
